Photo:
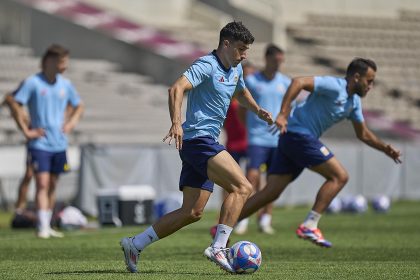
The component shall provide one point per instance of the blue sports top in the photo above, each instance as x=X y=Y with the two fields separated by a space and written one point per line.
x=47 y=106
x=269 y=95
x=328 y=104
x=209 y=99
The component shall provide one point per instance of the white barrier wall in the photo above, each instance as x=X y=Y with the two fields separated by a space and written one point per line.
x=371 y=172
x=109 y=166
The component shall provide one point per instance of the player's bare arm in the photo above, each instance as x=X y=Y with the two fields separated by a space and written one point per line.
x=297 y=85
x=241 y=113
x=176 y=95
x=365 y=135
x=22 y=119
x=74 y=118
x=245 y=99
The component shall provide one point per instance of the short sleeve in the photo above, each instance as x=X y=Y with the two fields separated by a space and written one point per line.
x=357 y=113
x=325 y=85
x=23 y=93
x=74 y=98
x=198 y=72
x=241 y=83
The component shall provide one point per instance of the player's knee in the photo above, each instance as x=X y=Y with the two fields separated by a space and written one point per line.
x=42 y=187
x=342 y=179
x=192 y=215
x=245 y=189
x=196 y=215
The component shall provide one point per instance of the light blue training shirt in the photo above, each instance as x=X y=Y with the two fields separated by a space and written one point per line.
x=208 y=101
x=269 y=95
x=47 y=106
x=328 y=104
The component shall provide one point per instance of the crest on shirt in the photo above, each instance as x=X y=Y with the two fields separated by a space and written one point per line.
x=281 y=88
x=236 y=78
x=222 y=80
x=44 y=91
x=62 y=93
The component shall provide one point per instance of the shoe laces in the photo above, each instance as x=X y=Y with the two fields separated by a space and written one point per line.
x=224 y=251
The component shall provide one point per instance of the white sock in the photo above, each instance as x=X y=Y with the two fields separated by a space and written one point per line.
x=312 y=220
x=242 y=223
x=222 y=236
x=49 y=213
x=265 y=220
x=43 y=220
x=145 y=238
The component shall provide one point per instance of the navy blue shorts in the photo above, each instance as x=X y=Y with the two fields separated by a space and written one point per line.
x=52 y=162
x=194 y=155
x=297 y=151
x=237 y=156
x=258 y=155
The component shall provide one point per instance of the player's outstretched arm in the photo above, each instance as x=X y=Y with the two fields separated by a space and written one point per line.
x=176 y=94
x=366 y=136
x=296 y=86
x=245 y=99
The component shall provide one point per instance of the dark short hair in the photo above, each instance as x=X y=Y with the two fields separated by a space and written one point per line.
x=272 y=49
x=236 y=31
x=361 y=66
x=55 y=51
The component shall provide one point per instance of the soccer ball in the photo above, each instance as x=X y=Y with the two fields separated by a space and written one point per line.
x=346 y=203
x=359 y=204
x=381 y=203
x=245 y=257
x=335 y=206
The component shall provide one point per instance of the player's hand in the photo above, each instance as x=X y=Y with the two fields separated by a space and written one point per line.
x=175 y=132
x=393 y=153
x=281 y=123
x=34 y=133
x=265 y=116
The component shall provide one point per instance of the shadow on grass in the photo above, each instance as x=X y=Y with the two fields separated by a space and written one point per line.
x=119 y=271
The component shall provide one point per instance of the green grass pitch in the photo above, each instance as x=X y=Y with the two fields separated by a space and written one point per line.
x=367 y=246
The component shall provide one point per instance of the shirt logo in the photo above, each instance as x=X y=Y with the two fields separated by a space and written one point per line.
x=44 y=91
x=236 y=79
x=221 y=79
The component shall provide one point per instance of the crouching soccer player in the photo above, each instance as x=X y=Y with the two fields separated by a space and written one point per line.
x=211 y=82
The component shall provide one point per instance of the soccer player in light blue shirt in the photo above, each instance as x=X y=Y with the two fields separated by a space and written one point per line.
x=47 y=95
x=210 y=82
x=267 y=87
x=331 y=100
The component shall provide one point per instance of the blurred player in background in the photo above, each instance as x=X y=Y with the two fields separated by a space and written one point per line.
x=23 y=189
x=267 y=88
x=211 y=82
x=331 y=100
x=47 y=94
